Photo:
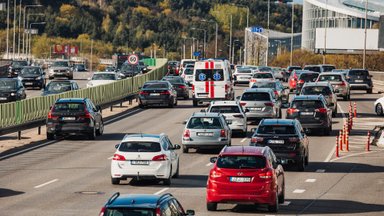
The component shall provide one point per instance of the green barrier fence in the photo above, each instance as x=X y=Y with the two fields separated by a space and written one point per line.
x=149 y=61
x=33 y=109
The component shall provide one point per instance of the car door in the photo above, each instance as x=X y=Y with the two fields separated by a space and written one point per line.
x=303 y=137
x=278 y=170
x=170 y=152
x=21 y=89
x=94 y=113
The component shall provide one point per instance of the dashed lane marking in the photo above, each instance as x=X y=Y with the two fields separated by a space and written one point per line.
x=209 y=164
x=310 y=180
x=286 y=203
x=46 y=183
x=161 y=191
x=243 y=140
x=299 y=191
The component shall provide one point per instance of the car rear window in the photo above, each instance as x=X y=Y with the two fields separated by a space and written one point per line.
x=358 y=73
x=128 y=211
x=68 y=107
x=140 y=147
x=155 y=85
x=204 y=123
x=309 y=77
x=225 y=109
x=307 y=104
x=335 y=78
x=256 y=96
x=174 y=79
x=276 y=129
x=315 y=69
x=328 y=68
x=294 y=68
x=209 y=75
x=315 y=90
x=241 y=162
x=263 y=75
x=59 y=86
x=246 y=71
x=188 y=62
x=188 y=71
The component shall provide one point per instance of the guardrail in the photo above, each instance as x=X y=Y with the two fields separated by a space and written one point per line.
x=29 y=111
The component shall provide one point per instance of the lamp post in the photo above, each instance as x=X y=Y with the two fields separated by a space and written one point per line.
x=230 y=38
x=365 y=34
x=292 y=25
x=24 y=25
x=205 y=38
x=216 y=33
x=30 y=36
x=245 y=33
x=269 y=8
x=7 y=30
x=14 y=30
x=325 y=32
x=18 y=32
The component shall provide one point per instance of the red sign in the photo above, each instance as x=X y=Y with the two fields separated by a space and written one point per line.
x=66 y=49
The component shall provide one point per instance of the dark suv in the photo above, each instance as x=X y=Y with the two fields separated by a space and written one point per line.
x=286 y=138
x=16 y=67
x=11 y=89
x=360 y=79
x=312 y=112
x=305 y=77
x=70 y=116
x=143 y=205
x=157 y=93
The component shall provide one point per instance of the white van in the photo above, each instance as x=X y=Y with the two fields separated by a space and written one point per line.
x=212 y=81
x=184 y=63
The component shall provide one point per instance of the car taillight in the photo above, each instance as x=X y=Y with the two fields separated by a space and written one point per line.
x=182 y=86
x=243 y=104
x=102 y=211
x=321 y=110
x=223 y=133
x=342 y=84
x=50 y=116
x=293 y=139
x=158 y=211
x=226 y=88
x=215 y=174
x=266 y=175
x=292 y=110
x=276 y=93
x=187 y=134
x=300 y=81
x=165 y=93
x=144 y=93
x=118 y=157
x=238 y=116
x=161 y=157
x=257 y=139
x=269 y=104
x=193 y=87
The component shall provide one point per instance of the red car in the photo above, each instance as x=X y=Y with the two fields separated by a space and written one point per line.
x=246 y=174
x=292 y=80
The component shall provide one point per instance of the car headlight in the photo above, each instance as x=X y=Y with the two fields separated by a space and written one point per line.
x=13 y=94
x=38 y=78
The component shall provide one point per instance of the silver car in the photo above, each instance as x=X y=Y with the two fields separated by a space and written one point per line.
x=234 y=115
x=261 y=103
x=242 y=75
x=338 y=82
x=205 y=131
x=324 y=88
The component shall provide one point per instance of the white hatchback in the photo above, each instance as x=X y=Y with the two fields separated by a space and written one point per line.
x=145 y=156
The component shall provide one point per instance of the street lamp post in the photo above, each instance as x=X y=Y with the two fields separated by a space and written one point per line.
x=365 y=34
x=216 y=33
x=269 y=8
x=292 y=25
x=14 y=30
x=24 y=25
x=325 y=32
x=205 y=38
x=7 y=30
x=30 y=36
x=18 y=33
x=230 y=39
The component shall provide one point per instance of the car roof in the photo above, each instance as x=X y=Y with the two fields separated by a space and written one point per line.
x=309 y=72
x=141 y=137
x=217 y=103
x=316 y=84
x=63 y=80
x=308 y=97
x=134 y=200
x=205 y=114
x=243 y=150
x=258 y=90
x=278 y=122
x=330 y=73
x=78 y=100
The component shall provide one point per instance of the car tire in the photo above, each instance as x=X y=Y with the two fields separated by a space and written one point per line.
x=379 y=109
x=307 y=159
x=195 y=103
x=335 y=112
x=92 y=134
x=115 y=181
x=171 y=104
x=326 y=131
x=50 y=136
x=211 y=206
x=275 y=206
x=280 y=114
x=141 y=106
x=168 y=181
x=369 y=91
x=177 y=174
x=186 y=97
x=176 y=102
x=185 y=149
x=100 y=130
x=301 y=164
x=70 y=78
x=50 y=78
x=282 y=195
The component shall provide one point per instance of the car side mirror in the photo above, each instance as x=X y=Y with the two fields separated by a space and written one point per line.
x=238 y=97
x=89 y=78
x=213 y=159
x=176 y=146
x=190 y=212
x=117 y=146
x=185 y=122
x=140 y=87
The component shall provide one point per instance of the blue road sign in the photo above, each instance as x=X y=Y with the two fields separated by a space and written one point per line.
x=196 y=54
x=257 y=29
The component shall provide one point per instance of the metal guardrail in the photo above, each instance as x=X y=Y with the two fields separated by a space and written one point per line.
x=35 y=109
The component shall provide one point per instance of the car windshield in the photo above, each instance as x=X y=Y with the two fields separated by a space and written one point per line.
x=174 y=80
x=68 y=107
x=103 y=76
x=263 y=76
x=358 y=73
x=271 y=85
x=19 y=63
x=80 y=67
x=294 y=68
x=255 y=96
x=204 y=123
x=6 y=85
x=334 y=78
x=209 y=75
x=30 y=71
x=121 y=211
x=58 y=86
x=140 y=147
x=225 y=109
x=315 y=90
x=276 y=129
x=60 y=64
x=246 y=71
x=188 y=71
x=155 y=85
x=308 y=77
x=188 y=62
x=241 y=162
x=307 y=104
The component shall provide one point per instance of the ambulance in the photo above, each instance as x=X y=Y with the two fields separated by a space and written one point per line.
x=212 y=81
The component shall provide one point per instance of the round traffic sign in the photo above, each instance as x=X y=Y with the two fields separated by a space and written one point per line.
x=133 y=59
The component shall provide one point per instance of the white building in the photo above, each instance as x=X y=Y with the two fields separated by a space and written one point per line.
x=336 y=14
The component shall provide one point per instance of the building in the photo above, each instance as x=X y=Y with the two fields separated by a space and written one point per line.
x=338 y=15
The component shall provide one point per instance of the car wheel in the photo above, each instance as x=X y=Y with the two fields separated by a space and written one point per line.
x=169 y=179
x=50 y=78
x=186 y=97
x=334 y=113
x=100 y=130
x=275 y=206
x=70 y=78
x=92 y=134
x=282 y=195
x=115 y=181
x=141 y=105
x=307 y=159
x=50 y=136
x=379 y=109
x=369 y=91
x=171 y=104
x=185 y=149
x=211 y=206
x=176 y=102
x=177 y=174
x=326 y=131
x=301 y=164
x=194 y=103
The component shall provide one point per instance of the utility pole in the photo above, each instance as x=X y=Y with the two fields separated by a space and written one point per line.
x=292 y=25
x=7 y=30
x=18 y=33
x=14 y=29
x=217 y=32
x=365 y=34
x=230 y=38
x=91 y=64
x=325 y=32
x=269 y=9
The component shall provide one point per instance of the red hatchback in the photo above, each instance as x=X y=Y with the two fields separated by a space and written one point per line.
x=246 y=175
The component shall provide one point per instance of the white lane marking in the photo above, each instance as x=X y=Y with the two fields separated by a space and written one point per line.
x=28 y=149
x=320 y=171
x=299 y=191
x=209 y=164
x=243 y=140
x=286 y=203
x=161 y=191
x=110 y=158
x=46 y=183
x=357 y=154
x=121 y=116
x=310 y=180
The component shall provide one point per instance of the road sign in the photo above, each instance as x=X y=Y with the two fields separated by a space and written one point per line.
x=133 y=59
x=257 y=29
x=197 y=54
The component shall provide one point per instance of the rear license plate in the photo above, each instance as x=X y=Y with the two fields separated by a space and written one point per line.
x=306 y=113
x=276 y=141
x=3 y=98
x=155 y=94
x=359 y=81
x=229 y=121
x=139 y=162
x=202 y=94
x=255 y=109
x=68 y=118
x=28 y=83
x=240 y=179
x=204 y=134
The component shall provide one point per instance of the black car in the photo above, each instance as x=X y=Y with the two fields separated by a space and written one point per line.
x=74 y=116
x=286 y=138
x=60 y=86
x=312 y=112
x=305 y=77
x=179 y=84
x=157 y=93
x=11 y=89
x=79 y=68
x=173 y=67
x=129 y=70
x=143 y=205
x=360 y=79
x=16 y=67
x=32 y=76
x=142 y=67
x=281 y=92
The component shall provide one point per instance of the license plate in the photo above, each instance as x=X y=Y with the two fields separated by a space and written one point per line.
x=276 y=141
x=256 y=109
x=306 y=113
x=28 y=83
x=139 y=162
x=204 y=134
x=229 y=121
x=3 y=98
x=240 y=179
x=59 y=73
x=155 y=94
x=359 y=81
x=68 y=118
x=202 y=94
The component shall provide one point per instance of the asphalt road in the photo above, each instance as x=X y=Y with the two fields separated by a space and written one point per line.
x=72 y=177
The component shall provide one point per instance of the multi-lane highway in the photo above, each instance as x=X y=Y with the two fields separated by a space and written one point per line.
x=72 y=177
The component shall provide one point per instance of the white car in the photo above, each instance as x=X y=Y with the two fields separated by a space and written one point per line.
x=102 y=78
x=187 y=73
x=234 y=115
x=261 y=77
x=145 y=156
x=242 y=75
x=379 y=106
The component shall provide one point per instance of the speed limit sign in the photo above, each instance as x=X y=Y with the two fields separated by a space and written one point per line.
x=133 y=59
